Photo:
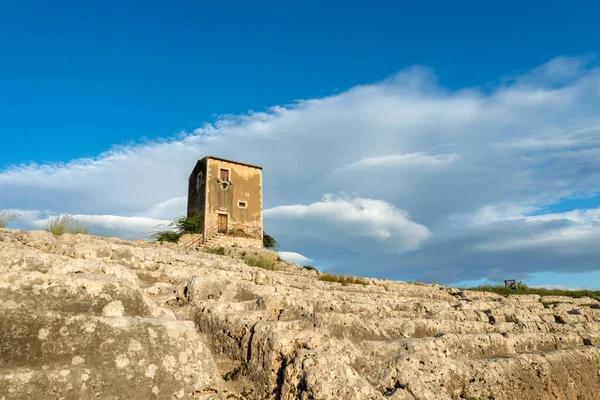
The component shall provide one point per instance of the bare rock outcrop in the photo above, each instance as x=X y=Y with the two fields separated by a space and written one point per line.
x=89 y=317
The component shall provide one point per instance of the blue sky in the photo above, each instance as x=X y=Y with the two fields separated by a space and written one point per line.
x=79 y=77
x=483 y=115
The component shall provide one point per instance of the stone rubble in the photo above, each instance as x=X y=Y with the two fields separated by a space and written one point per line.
x=88 y=317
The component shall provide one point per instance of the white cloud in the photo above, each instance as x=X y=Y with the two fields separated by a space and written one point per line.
x=576 y=233
x=167 y=209
x=291 y=257
x=108 y=225
x=345 y=218
x=119 y=223
x=567 y=239
x=559 y=287
x=587 y=217
x=22 y=218
x=495 y=213
x=447 y=179
x=413 y=159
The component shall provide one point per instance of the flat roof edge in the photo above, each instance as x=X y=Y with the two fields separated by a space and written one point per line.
x=232 y=161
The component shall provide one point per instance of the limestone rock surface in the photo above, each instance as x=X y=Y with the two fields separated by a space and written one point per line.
x=85 y=317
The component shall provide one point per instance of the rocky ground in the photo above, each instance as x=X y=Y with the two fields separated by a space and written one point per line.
x=88 y=317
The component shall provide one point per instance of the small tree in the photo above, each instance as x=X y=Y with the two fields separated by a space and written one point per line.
x=269 y=242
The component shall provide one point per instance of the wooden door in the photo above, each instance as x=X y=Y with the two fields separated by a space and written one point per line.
x=222 y=223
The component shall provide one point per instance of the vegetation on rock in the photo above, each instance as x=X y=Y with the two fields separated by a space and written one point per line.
x=269 y=242
x=344 y=280
x=59 y=225
x=243 y=332
x=260 y=262
x=178 y=227
x=215 y=250
x=6 y=217
x=242 y=369
x=524 y=289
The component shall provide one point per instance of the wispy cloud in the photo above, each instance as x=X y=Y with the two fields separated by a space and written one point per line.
x=293 y=257
x=413 y=159
x=559 y=287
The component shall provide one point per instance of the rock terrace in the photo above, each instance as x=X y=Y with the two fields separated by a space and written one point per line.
x=89 y=317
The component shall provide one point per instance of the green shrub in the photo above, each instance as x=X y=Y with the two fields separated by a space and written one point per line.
x=344 y=280
x=6 y=217
x=191 y=224
x=178 y=227
x=215 y=250
x=166 y=236
x=260 y=262
x=269 y=242
x=59 y=225
x=309 y=267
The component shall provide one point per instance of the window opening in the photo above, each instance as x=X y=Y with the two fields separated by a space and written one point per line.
x=224 y=175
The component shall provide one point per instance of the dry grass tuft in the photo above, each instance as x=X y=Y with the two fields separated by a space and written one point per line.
x=6 y=217
x=344 y=280
x=59 y=225
x=524 y=289
x=220 y=251
x=260 y=262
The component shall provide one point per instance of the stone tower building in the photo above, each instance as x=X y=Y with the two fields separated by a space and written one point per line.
x=229 y=196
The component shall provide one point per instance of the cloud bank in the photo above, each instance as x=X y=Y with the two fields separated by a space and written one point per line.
x=401 y=178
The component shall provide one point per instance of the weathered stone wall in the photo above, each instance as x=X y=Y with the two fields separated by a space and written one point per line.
x=190 y=240
x=224 y=197
x=193 y=241
x=197 y=189
x=233 y=241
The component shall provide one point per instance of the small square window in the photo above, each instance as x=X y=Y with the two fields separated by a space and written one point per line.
x=242 y=204
x=224 y=175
